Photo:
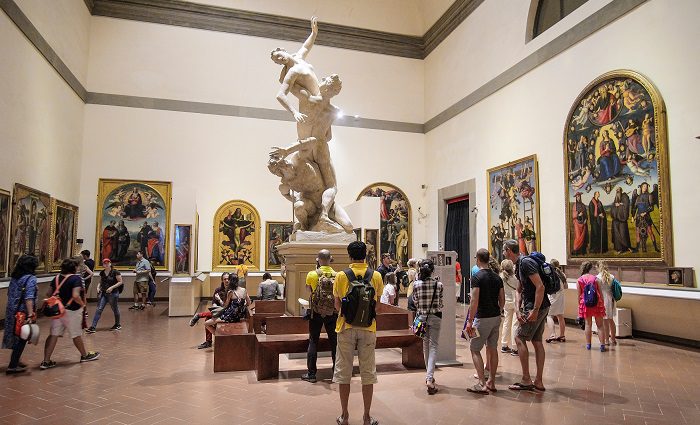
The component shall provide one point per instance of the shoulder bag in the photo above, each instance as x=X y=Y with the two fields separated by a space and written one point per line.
x=420 y=324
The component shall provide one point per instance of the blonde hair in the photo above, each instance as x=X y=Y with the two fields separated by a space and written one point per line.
x=605 y=275
x=507 y=268
x=494 y=266
x=390 y=278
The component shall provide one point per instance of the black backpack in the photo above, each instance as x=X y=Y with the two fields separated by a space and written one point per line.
x=402 y=278
x=549 y=277
x=358 y=305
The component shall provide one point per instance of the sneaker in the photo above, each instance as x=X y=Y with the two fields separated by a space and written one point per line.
x=149 y=303
x=194 y=319
x=134 y=307
x=116 y=328
x=588 y=346
x=141 y=307
x=514 y=353
x=91 y=330
x=308 y=378
x=90 y=356
x=14 y=370
x=602 y=348
x=205 y=344
x=505 y=349
x=47 y=365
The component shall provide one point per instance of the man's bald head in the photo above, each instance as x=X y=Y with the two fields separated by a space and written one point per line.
x=324 y=257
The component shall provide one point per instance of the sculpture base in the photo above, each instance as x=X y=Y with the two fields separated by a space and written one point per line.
x=322 y=237
x=300 y=259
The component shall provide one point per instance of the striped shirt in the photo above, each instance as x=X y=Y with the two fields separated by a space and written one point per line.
x=423 y=294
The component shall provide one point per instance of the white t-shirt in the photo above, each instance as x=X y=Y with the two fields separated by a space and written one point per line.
x=388 y=294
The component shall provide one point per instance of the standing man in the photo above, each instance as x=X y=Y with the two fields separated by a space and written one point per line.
x=89 y=269
x=323 y=311
x=531 y=308
x=143 y=276
x=488 y=300
x=386 y=266
x=349 y=337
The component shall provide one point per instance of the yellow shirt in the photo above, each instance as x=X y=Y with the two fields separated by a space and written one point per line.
x=312 y=276
x=340 y=289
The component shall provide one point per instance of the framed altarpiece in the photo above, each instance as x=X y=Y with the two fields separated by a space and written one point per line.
x=236 y=236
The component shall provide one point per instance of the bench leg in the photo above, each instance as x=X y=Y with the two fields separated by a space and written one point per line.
x=267 y=363
x=232 y=352
x=412 y=355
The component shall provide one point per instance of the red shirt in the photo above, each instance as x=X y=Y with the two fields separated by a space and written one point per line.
x=458 y=270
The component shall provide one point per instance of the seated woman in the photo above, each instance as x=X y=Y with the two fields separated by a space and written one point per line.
x=235 y=307
x=217 y=300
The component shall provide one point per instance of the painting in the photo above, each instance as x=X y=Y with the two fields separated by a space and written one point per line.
x=277 y=232
x=64 y=230
x=183 y=247
x=4 y=229
x=133 y=216
x=31 y=210
x=371 y=240
x=195 y=240
x=394 y=220
x=616 y=162
x=236 y=236
x=675 y=277
x=358 y=233
x=514 y=206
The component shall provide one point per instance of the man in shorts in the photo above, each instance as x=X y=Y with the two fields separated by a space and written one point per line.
x=531 y=308
x=484 y=321
x=143 y=276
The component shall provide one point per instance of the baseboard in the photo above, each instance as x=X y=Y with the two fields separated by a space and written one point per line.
x=692 y=343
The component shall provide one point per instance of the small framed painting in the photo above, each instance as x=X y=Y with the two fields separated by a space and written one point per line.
x=277 y=232
x=371 y=239
x=183 y=247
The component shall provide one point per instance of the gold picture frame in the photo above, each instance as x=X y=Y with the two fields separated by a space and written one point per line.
x=514 y=205
x=281 y=230
x=31 y=225
x=232 y=220
x=64 y=231
x=195 y=242
x=371 y=240
x=5 y=209
x=132 y=216
x=182 y=237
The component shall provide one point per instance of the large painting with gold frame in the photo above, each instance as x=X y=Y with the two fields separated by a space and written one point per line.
x=618 y=202
x=277 y=232
x=395 y=234
x=236 y=236
x=514 y=205
x=31 y=224
x=133 y=216
x=4 y=229
x=64 y=229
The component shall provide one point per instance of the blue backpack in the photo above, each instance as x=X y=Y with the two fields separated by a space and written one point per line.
x=550 y=279
x=590 y=295
x=616 y=289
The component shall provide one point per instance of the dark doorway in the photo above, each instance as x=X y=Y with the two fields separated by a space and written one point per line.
x=457 y=237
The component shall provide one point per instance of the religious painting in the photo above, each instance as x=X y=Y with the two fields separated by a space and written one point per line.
x=4 y=229
x=133 y=216
x=64 y=229
x=31 y=224
x=394 y=220
x=183 y=247
x=514 y=202
x=277 y=232
x=371 y=240
x=236 y=236
x=616 y=162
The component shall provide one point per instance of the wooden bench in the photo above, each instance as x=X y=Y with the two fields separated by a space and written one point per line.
x=234 y=347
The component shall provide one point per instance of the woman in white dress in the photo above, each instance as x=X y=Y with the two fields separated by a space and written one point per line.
x=606 y=279
x=556 y=308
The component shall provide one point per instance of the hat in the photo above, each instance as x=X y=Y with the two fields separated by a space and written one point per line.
x=106 y=260
x=30 y=333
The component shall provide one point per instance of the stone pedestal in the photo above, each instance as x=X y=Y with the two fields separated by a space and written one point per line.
x=300 y=259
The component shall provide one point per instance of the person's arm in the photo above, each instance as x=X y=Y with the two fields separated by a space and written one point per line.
x=248 y=302
x=29 y=295
x=76 y=295
x=289 y=81
x=89 y=271
x=116 y=285
x=518 y=301
x=501 y=298
x=539 y=296
x=472 y=309
x=260 y=291
x=309 y=43
x=229 y=297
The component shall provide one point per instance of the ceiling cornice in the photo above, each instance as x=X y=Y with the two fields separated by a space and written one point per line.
x=214 y=18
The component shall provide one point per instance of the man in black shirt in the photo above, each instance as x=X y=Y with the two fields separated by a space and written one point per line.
x=531 y=308
x=89 y=264
x=484 y=320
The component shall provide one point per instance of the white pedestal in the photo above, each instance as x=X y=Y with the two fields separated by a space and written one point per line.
x=623 y=323
x=184 y=296
x=445 y=272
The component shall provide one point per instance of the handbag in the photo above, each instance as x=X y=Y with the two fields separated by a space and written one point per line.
x=420 y=324
x=53 y=306
x=20 y=316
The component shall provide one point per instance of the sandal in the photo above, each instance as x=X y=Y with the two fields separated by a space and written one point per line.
x=550 y=339
x=519 y=386
x=478 y=389
x=373 y=421
x=561 y=338
x=492 y=389
x=536 y=388
x=339 y=420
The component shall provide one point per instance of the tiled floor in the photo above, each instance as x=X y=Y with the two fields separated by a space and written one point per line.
x=151 y=373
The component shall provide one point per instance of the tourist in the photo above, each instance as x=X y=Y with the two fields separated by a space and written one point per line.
x=349 y=337
x=427 y=297
x=241 y=270
x=152 y=289
x=21 y=297
x=557 y=305
x=268 y=289
x=236 y=306
x=387 y=265
x=89 y=268
x=606 y=280
x=143 y=277
x=510 y=285
x=596 y=309
x=390 y=289
x=458 y=278
x=322 y=311
x=484 y=323
x=111 y=286
x=68 y=286
x=532 y=307
x=217 y=300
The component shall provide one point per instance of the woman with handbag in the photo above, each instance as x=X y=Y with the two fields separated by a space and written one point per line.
x=217 y=303
x=235 y=307
x=427 y=297
x=21 y=299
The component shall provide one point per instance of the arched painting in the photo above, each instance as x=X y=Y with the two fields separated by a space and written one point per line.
x=616 y=162
x=236 y=236
x=133 y=216
x=395 y=220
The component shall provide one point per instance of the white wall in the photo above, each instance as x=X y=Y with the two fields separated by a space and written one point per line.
x=528 y=116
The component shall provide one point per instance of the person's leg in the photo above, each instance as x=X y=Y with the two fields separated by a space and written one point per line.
x=329 y=325
x=507 y=326
x=49 y=346
x=550 y=327
x=367 y=393
x=343 y=370
x=562 y=325
x=366 y=345
x=433 y=338
x=479 y=366
x=523 y=355
x=315 y=325
x=151 y=291
x=100 y=307
x=114 y=303
x=600 y=323
x=210 y=325
x=17 y=349
x=588 y=331
x=612 y=328
x=492 y=353
x=539 y=360
x=78 y=342
x=344 y=390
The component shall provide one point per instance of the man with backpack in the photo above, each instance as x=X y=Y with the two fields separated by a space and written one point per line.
x=322 y=311
x=356 y=292
x=531 y=309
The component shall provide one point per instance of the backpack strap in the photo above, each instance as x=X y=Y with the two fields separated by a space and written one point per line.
x=58 y=285
x=350 y=274
x=368 y=275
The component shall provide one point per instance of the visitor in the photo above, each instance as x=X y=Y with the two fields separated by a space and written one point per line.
x=387 y=265
x=532 y=307
x=390 y=289
x=21 y=297
x=89 y=268
x=349 y=337
x=510 y=325
x=68 y=286
x=596 y=309
x=557 y=305
x=427 y=297
x=236 y=306
x=606 y=280
x=241 y=271
x=268 y=289
x=217 y=300
x=322 y=311
x=152 y=289
x=143 y=277
x=484 y=323
x=111 y=286
x=458 y=277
